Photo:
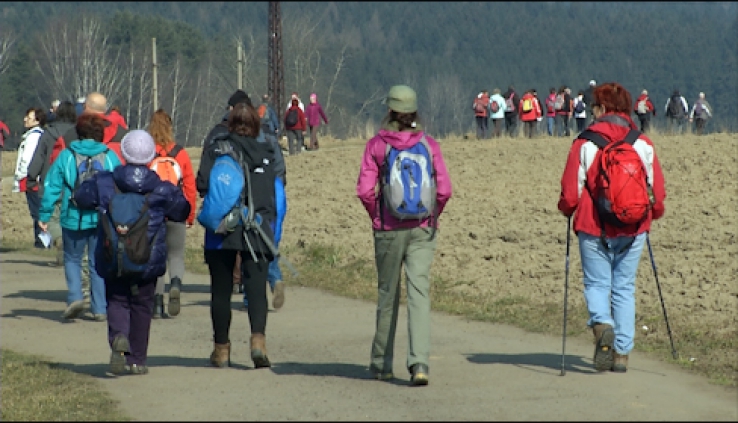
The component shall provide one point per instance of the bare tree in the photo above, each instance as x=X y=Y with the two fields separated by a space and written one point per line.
x=7 y=40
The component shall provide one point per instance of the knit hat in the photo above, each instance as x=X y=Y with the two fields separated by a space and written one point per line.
x=239 y=97
x=138 y=147
x=314 y=96
x=592 y=83
x=402 y=99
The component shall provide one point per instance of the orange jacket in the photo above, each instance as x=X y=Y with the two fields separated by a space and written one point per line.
x=533 y=113
x=188 y=178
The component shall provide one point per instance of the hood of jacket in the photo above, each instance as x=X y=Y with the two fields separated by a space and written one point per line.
x=87 y=147
x=401 y=140
x=136 y=178
x=254 y=152
x=613 y=126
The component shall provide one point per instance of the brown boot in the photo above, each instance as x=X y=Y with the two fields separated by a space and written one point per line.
x=221 y=356
x=258 y=350
x=604 y=341
x=620 y=364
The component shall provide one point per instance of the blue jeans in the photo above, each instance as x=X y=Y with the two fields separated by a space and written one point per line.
x=550 y=123
x=274 y=275
x=74 y=246
x=609 y=284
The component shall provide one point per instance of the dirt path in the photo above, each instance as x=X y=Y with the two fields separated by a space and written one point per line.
x=319 y=345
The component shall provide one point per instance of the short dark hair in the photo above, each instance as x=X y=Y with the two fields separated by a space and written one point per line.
x=243 y=120
x=90 y=126
x=66 y=112
x=39 y=114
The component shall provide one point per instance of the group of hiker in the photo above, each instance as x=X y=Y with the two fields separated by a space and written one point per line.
x=560 y=108
x=128 y=196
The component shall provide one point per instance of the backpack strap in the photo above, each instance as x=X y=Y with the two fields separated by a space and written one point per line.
x=174 y=151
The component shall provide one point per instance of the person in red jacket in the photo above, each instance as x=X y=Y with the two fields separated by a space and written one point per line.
x=610 y=258
x=530 y=110
x=162 y=132
x=481 y=114
x=4 y=134
x=643 y=108
x=115 y=117
x=295 y=139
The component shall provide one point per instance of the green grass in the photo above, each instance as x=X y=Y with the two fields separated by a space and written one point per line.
x=34 y=389
x=324 y=267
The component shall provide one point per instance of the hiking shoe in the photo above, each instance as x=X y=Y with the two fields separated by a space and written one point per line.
x=278 y=300
x=74 y=309
x=604 y=341
x=99 y=317
x=419 y=374
x=174 y=291
x=620 y=363
x=381 y=375
x=118 y=356
x=135 y=369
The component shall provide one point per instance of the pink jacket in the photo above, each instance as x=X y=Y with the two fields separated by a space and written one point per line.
x=371 y=167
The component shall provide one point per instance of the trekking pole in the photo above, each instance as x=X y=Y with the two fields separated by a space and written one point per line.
x=661 y=297
x=566 y=295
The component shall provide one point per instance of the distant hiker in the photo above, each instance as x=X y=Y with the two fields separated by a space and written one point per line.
x=269 y=120
x=551 y=111
x=511 y=112
x=580 y=111
x=701 y=112
x=610 y=253
x=66 y=119
x=497 y=108
x=563 y=106
x=314 y=114
x=644 y=109
x=588 y=98
x=676 y=109
x=34 y=121
x=530 y=111
x=81 y=160
x=404 y=229
x=220 y=130
x=257 y=177
x=172 y=163
x=294 y=123
x=51 y=115
x=137 y=204
x=4 y=135
x=115 y=117
x=539 y=119
x=295 y=96
x=481 y=113
x=79 y=106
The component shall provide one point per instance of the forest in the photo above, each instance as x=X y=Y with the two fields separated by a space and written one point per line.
x=350 y=53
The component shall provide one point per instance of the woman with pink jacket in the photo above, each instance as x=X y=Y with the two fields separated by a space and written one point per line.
x=314 y=113
x=397 y=242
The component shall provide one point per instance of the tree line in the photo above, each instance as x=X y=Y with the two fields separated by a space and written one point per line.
x=350 y=53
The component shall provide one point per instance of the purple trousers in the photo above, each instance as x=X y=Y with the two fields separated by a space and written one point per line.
x=130 y=315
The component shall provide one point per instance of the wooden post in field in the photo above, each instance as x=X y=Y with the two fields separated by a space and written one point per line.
x=156 y=88
x=240 y=66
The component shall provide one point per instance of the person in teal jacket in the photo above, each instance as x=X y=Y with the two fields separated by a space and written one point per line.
x=79 y=227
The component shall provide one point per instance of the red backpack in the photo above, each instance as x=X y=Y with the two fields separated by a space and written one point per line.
x=620 y=191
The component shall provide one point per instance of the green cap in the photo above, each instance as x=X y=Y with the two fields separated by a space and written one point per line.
x=402 y=99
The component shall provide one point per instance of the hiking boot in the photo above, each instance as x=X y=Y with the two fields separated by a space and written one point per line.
x=99 y=317
x=381 y=374
x=278 y=300
x=174 y=291
x=119 y=348
x=604 y=341
x=158 y=306
x=221 y=355
x=74 y=309
x=135 y=369
x=620 y=363
x=258 y=351
x=419 y=374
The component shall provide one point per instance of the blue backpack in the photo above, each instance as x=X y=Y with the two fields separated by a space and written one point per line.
x=409 y=182
x=226 y=205
x=126 y=244
x=87 y=166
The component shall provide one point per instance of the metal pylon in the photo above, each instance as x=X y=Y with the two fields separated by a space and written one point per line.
x=275 y=85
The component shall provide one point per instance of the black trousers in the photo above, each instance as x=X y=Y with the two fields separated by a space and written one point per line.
x=220 y=263
x=511 y=124
x=482 y=127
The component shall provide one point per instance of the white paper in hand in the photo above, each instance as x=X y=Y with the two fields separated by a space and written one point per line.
x=45 y=237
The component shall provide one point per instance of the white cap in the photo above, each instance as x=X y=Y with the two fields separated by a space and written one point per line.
x=592 y=82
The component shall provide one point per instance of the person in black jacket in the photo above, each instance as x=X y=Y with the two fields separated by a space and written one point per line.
x=511 y=114
x=588 y=97
x=221 y=250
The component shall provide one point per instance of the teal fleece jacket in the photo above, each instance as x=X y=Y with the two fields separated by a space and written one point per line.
x=61 y=179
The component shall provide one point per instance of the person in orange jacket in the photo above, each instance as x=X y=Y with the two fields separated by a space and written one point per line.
x=161 y=131
x=530 y=111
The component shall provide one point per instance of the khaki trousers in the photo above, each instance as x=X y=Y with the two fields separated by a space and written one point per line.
x=413 y=248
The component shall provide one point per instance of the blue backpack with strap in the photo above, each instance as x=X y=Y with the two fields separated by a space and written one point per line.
x=409 y=182
x=220 y=211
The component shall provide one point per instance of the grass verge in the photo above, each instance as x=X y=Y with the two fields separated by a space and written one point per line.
x=36 y=390
x=323 y=267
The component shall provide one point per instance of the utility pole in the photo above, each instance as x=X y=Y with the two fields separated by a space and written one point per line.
x=156 y=88
x=240 y=65
x=276 y=62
